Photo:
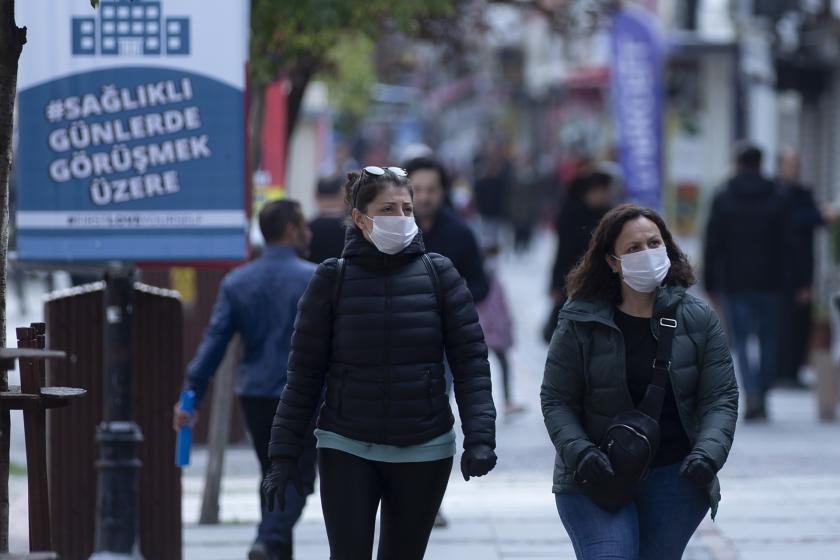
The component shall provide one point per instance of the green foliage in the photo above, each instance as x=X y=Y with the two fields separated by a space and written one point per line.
x=286 y=35
x=352 y=75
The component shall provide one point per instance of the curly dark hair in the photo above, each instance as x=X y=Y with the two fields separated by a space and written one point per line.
x=593 y=279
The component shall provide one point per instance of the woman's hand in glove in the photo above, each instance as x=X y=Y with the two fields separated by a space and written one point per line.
x=280 y=474
x=594 y=466
x=698 y=469
x=477 y=460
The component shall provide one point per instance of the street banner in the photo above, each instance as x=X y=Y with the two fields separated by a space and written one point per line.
x=131 y=131
x=637 y=89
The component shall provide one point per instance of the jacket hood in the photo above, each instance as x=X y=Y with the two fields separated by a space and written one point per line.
x=751 y=185
x=602 y=311
x=355 y=245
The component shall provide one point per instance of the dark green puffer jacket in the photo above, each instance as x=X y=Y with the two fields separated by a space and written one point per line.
x=585 y=383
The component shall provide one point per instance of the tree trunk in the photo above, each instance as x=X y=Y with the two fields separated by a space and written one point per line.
x=299 y=79
x=12 y=39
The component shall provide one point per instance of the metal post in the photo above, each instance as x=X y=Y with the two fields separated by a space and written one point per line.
x=117 y=535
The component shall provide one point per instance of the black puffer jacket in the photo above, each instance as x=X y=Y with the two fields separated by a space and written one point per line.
x=380 y=352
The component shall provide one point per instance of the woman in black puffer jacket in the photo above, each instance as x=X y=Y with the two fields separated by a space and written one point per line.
x=372 y=328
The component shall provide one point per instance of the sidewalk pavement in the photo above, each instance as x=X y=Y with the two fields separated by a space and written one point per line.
x=781 y=487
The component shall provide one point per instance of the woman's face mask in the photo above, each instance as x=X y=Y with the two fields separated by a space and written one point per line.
x=645 y=270
x=392 y=234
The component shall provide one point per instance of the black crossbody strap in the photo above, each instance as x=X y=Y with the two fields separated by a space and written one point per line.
x=430 y=268
x=655 y=395
x=339 y=279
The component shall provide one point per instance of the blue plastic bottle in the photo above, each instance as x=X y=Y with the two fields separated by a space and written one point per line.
x=184 y=441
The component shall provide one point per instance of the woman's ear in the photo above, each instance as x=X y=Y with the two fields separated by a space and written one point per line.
x=359 y=219
x=614 y=264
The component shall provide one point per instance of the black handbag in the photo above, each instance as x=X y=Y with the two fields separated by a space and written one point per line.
x=632 y=437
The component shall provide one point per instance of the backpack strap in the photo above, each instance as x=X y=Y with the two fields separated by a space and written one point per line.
x=339 y=279
x=655 y=395
x=432 y=270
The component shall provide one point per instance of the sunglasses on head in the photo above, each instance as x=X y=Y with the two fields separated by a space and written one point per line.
x=375 y=171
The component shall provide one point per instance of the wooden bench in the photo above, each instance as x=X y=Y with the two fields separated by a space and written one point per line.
x=33 y=398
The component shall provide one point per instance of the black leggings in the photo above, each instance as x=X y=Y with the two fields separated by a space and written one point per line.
x=351 y=491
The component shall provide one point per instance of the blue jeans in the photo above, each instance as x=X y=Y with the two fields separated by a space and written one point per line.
x=755 y=314
x=656 y=525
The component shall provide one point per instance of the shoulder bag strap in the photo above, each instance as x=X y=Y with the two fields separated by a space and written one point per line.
x=339 y=279
x=655 y=395
x=432 y=270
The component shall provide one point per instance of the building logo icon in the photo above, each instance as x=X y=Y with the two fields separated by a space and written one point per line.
x=135 y=28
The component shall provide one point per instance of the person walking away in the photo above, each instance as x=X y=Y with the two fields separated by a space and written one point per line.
x=372 y=328
x=492 y=187
x=328 y=227
x=443 y=231
x=497 y=324
x=628 y=288
x=797 y=302
x=524 y=203
x=747 y=256
x=587 y=200
x=258 y=301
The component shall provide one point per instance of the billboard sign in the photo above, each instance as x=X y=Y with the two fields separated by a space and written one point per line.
x=131 y=131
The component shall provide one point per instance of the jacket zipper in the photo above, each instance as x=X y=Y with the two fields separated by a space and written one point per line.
x=387 y=400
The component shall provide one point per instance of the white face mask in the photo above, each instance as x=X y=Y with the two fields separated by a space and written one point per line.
x=644 y=271
x=392 y=234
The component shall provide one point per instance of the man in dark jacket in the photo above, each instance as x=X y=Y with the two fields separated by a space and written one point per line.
x=805 y=218
x=746 y=253
x=443 y=231
x=259 y=301
x=328 y=228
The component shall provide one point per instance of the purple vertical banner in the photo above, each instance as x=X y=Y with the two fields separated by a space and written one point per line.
x=636 y=74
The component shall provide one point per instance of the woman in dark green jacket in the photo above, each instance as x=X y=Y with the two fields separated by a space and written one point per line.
x=599 y=364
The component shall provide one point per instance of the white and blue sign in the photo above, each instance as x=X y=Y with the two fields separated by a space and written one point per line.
x=131 y=131
x=636 y=70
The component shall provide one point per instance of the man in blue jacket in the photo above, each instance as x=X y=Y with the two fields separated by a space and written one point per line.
x=259 y=301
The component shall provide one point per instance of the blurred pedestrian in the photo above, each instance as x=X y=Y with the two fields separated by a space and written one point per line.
x=599 y=368
x=372 y=328
x=747 y=256
x=328 y=227
x=443 y=231
x=492 y=187
x=797 y=300
x=258 y=301
x=497 y=324
x=587 y=200
x=524 y=203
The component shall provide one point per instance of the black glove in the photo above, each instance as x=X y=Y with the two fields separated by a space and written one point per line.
x=280 y=474
x=697 y=468
x=594 y=466
x=477 y=460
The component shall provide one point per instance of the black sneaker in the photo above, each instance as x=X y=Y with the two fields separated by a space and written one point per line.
x=756 y=414
x=259 y=551
x=270 y=551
